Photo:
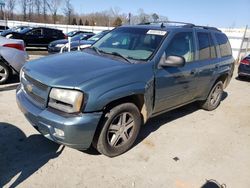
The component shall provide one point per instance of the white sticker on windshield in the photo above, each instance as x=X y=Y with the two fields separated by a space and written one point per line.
x=156 y=32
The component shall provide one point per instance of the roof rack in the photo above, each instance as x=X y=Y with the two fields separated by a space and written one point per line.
x=168 y=22
x=184 y=24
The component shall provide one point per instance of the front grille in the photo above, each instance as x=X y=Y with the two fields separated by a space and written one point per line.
x=36 y=91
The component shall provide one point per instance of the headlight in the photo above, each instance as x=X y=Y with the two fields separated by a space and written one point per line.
x=21 y=74
x=85 y=46
x=60 y=45
x=65 y=100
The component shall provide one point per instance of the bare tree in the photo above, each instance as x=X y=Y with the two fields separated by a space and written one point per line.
x=10 y=5
x=24 y=5
x=37 y=4
x=44 y=9
x=54 y=5
x=30 y=9
x=68 y=10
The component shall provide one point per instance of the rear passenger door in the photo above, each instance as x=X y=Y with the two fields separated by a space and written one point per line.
x=175 y=86
x=207 y=62
x=51 y=35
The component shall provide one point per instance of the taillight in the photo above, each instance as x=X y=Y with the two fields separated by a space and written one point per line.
x=245 y=62
x=16 y=46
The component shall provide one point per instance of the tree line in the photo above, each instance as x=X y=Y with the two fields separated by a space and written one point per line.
x=62 y=12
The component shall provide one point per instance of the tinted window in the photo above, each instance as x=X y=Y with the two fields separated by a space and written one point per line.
x=224 y=45
x=182 y=45
x=35 y=32
x=206 y=46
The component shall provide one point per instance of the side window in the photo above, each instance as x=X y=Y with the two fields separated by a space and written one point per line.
x=35 y=32
x=224 y=45
x=206 y=46
x=182 y=44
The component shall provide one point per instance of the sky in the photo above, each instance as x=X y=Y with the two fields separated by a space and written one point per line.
x=218 y=13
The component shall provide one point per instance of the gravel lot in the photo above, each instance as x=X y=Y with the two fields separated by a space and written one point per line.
x=182 y=149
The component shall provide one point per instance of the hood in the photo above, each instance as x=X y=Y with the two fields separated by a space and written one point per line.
x=70 y=70
x=62 y=41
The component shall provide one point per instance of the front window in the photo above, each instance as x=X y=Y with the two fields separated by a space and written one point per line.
x=131 y=43
x=182 y=45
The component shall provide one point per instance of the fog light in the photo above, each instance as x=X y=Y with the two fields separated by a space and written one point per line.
x=59 y=132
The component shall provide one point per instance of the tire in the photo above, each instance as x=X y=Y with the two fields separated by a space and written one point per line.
x=5 y=73
x=119 y=131
x=214 y=98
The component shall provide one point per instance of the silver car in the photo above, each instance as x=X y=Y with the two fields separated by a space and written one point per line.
x=12 y=57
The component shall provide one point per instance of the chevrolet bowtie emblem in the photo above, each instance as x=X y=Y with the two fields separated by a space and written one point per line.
x=30 y=87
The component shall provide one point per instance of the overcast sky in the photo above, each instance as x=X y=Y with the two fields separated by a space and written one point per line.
x=219 y=13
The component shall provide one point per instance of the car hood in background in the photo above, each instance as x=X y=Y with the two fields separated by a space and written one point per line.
x=62 y=41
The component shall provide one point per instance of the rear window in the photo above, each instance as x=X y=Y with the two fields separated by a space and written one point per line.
x=206 y=46
x=224 y=45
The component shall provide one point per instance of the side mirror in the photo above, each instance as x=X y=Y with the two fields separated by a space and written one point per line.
x=172 y=61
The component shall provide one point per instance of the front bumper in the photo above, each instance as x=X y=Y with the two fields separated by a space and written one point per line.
x=53 y=50
x=78 y=130
x=244 y=70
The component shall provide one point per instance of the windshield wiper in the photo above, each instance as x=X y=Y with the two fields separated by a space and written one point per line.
x=96 y=50
x=112 y=53
x=120 y=55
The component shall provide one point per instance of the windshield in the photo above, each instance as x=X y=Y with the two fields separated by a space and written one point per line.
x=70 y=34
x=132 y=43
x=97 y=36
x=78 y=37
x=25 y=30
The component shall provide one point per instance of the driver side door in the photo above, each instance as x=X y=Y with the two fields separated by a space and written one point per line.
x=175 y=86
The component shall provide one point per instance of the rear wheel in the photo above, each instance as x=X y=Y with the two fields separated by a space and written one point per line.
x=120 y=130
x=5 y=72
x=214 y=98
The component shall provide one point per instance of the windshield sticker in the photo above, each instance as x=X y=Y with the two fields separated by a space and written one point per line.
x=156 y=32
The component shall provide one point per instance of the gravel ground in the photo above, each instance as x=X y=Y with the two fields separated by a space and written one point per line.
x=182 y=149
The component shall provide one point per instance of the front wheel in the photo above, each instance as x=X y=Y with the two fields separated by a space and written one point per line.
x=214 y=98
x=120 y=130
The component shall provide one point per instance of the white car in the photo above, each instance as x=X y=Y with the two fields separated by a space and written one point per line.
x=12 y=57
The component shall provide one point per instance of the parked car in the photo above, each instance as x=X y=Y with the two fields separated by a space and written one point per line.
x=74 y=33
x=75 y=45
x=103 y=94
x=3 y=28
x=244 y=68
x=8 y=33
x=40 y=36
x=12 y=57
x=55 y=46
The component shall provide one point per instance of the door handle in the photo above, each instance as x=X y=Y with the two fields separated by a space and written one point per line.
x=217 y=66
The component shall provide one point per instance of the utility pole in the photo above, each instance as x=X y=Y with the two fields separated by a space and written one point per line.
x=2 y=5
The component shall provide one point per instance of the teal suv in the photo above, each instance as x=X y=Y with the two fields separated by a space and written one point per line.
x=102 y=95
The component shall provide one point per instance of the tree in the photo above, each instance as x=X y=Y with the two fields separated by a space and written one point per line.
x=45 y=5
x=37 y=4
x=155 y=17
x=68 y=10
x=80 y=21
x=54 y=6
x=24 y=4
x=30 y=6
x=117 y=22
x=86 y=22
x=74 y=22
x=10 y=5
